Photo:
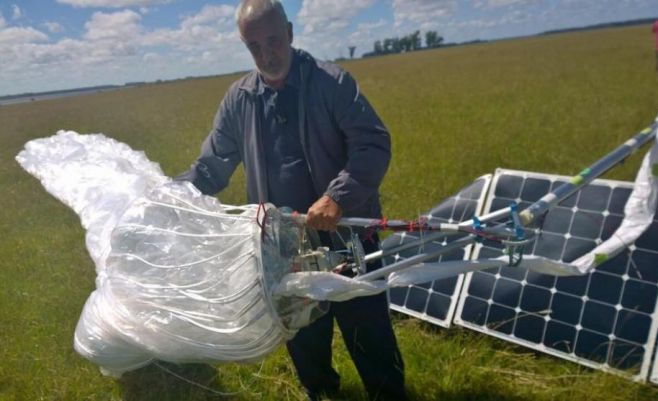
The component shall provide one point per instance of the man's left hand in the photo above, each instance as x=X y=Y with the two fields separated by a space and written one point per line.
x=324 y=214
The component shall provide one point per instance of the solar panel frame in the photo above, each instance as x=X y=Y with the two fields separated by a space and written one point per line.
x=436 y=301
x=653 y=377
x=509 y=301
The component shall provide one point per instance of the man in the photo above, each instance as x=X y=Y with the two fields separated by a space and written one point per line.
x=655 y=32
x=309 y=141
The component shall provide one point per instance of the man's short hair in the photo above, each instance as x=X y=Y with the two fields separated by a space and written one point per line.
x=254 y=9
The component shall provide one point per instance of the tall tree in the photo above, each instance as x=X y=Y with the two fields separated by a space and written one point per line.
x=388 y=45
x=378 y=47
x=405 y=44
x=397 y=46
x=438 y=41
x=432 y=39
x=415 y=40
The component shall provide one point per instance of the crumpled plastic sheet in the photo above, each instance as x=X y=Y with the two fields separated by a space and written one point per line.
x=638 y=215
x=95 y=176
x=180 y=277
x=328 y=286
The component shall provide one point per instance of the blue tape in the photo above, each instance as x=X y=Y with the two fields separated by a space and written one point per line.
x=477 y=224
x=518 y=229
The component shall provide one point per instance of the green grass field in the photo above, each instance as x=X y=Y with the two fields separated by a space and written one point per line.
x=551 y=104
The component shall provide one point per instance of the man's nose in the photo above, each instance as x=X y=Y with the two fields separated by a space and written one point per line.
x=269 y=53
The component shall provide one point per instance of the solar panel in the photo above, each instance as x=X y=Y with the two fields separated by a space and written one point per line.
x=607 y=319
x=436 y=301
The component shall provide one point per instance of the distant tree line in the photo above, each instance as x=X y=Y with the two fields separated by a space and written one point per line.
x=408 y=43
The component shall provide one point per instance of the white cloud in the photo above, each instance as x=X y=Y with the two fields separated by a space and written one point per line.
x=504 y=3
x=18 y=36
x=366 y=34
x=329 y=15
x=211 y=15
x=421 y=12
x=325 y=26
x=3 y=23
x=33 y=56
x=603 y=5
x=53 y=27
x=211 y=28
x=367 y=27
x=594 y=1
x=113 y=3
x=151 y=57
x=16 y=12
x=116 y=47
x=108 y=37
x=120 y=26
x=514 y=17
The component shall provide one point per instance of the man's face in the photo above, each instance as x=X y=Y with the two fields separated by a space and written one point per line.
x=268 y=39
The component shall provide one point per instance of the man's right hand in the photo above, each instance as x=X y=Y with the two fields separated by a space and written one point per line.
x=324 y=214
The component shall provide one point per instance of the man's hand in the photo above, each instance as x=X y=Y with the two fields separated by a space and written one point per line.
x=324 y=214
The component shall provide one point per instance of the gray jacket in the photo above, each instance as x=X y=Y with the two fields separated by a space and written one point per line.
x=346 y=145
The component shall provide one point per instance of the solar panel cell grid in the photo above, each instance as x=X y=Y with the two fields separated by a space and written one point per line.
x=436 y=301
x=606 y=319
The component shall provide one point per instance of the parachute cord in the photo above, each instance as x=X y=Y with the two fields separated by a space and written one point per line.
x=206 y=388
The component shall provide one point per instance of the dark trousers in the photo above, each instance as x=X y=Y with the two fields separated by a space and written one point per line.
x=366 y=328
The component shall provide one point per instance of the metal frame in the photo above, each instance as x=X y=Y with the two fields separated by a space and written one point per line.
x=528 y=217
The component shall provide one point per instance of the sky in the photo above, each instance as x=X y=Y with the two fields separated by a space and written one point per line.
x=61 y=44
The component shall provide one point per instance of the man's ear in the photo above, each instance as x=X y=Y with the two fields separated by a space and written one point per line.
x=290 y=32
